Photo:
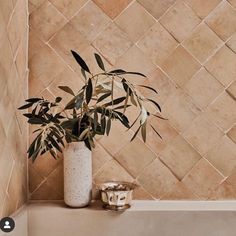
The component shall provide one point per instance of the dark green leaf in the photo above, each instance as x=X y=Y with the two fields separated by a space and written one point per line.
x=108 y=126
x=28 y=115
x=123 y=119
x=52 y=152
x=58 y=99
x=71 y=104
x=104 y=96
x=121 y=107
x=133 y=100
x=99 y=61
x=54 y=143
x=35 y=121
x=67 y=90
x=83 y=73
x=115 y=102
x=78 y=102
x=122 y=72
x=143 y=131
x=155 y=103
x=89 y=91
x=156 y=131
x=147 y=87
x=90 y=139
x=103 y=123
x=160 y=117
x=25 y=106
x=95 y=120
x=33 y=100
x=80 y=61
x=135 y=134
x=118 y=71
x=87 y=144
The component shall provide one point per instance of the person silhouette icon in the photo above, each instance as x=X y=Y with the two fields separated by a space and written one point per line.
x=7 y=225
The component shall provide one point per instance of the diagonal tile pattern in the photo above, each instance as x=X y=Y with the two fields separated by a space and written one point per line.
x=188 y=50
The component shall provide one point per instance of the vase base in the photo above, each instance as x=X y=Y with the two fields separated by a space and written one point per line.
x=77 y=206
x=116 y=208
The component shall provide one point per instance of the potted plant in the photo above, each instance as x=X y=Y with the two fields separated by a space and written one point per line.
x=104 y=98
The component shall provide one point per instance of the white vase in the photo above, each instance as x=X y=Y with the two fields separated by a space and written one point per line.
x=77 y=175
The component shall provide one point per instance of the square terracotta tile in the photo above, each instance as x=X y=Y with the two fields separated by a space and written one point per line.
x=157 y=43
x=112 y=43
x=180 y=20
x=203 y=88
x=100 y=157
x=232 y=134
x=89 y=58
x=36 y=86
x=57 y=178
x=223 y=156
x=34 y=179
x=166 y=131
x=31 y=7
x=202 y=43
x=131 y=22
x=231 y=43
x=41 y=65
x=113 y=8
x=135 y=156
x=202 y=134
x=73 y=81
x=6 y=10
x=223 y=66
x=157 y=179
x=156 y=7
x=180 y=110
x=231 y=90
x=224 y=192
x=202 y=7
x=180 y=157
x=68 y=7
x=112 y=171
x=35 y=44
x=118 y=138
x=141 y=194
x=222 y=112
x=163 y=85
x=232 y=178
x=37 y=3
x=64 y=44
x=90 y=21
x=232 y=2
x=15 y=29
x=223 y=20
x=46 y=21
x=180 y=192
x=180 y=66
x=45 y=164
x=135 y=60
x=203 y=179
x=45 y=191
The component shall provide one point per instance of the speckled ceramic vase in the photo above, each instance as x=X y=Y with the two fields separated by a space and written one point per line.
x=77 y=175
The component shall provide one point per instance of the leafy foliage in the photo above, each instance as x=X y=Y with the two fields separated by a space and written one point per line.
x=105 y=97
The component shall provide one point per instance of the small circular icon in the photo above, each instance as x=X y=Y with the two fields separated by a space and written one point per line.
x=7 y=224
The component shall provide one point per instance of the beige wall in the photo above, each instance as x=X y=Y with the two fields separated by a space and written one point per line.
x=13 y=90
x=188 y=50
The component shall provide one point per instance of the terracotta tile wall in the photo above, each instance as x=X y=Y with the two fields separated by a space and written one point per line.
x=188 y=50
x=13 y=90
